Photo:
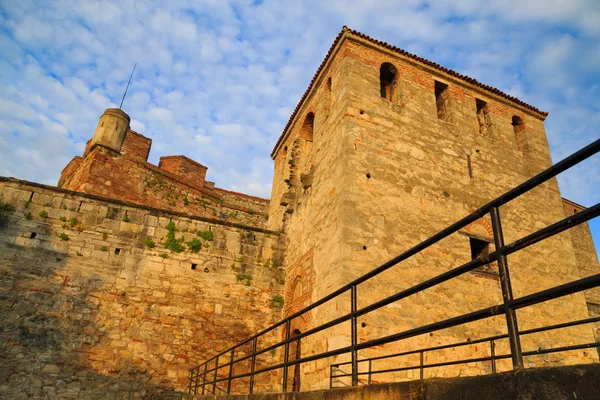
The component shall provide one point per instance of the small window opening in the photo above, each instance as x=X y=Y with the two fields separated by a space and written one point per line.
x=33 y=235
x=387 y=79
x=519 y=129
x=80 y=204
x=441 y=95
x=102 y=124
x=307 y=128
x=329 y=83
x=117 y=251
x=254 y=238
x=206 y=270
x=364 y=247
x=469 y=167
x=364 y=324
x=480 y=249
x=117 y=126
x=482 y=112
x=210 y=228
x=368 y=176
x=194 y=266
x=30 y=197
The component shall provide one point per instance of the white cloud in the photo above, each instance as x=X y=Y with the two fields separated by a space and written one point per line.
x=217 y=79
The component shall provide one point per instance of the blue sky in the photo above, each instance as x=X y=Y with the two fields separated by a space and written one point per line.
x=217 y=80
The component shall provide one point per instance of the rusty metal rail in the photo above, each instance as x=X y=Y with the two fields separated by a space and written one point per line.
x=204 y=379
x=492 y=357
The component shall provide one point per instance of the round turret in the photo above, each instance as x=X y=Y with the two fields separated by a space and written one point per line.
x=111 y=129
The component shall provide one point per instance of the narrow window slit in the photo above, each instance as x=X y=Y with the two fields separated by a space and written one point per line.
x=469 y=167
x=387 y=80
x=441 y=95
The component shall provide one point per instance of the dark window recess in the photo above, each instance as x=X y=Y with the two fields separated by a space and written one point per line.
x=194 y=266
x=33 y=235
x=387 y=79
x=441 y=95
x=521 y=138
x=117 y=251
x=480 y=249
x=206 y=270
x=482 y=113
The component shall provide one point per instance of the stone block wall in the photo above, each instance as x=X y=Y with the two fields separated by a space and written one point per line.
x=386 y=174
x=94 y=305
x=587 y=261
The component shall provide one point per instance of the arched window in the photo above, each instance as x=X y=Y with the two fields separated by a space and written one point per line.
x=307 y=128
x=519 y=129
x=328 y=94
x=387 y=79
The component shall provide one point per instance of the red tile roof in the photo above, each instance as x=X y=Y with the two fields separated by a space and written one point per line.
x=395 y=49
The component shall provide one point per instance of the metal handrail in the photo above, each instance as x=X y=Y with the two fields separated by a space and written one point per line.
x=491 y=339
x=508 y=306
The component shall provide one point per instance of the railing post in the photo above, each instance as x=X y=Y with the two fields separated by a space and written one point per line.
x=253 y=365
x=354 y=334
x=331 y=376
x=421 y=364
x=507 y=295
x=369 y=372
x=204 y=377
x=196 y=381
x=230 y=371
x=286 y=356
x=493 y=356
x=214 y=382
x=191 y=377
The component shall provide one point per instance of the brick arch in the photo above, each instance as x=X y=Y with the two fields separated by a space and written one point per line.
x=298 y=290
x=480 y=227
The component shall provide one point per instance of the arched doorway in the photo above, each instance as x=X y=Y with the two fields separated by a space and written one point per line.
x=295 y=353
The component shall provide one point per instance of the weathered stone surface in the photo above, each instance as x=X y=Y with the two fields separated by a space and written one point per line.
x=82 y=316
x=560 y=383
x=390 y=172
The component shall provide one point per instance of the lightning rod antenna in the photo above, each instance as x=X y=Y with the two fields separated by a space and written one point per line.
x=125 y=94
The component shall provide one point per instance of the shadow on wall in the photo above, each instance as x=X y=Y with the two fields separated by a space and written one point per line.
x=50 y=334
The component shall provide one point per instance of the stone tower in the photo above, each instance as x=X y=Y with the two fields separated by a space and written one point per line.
x=111 y=129
x=384 y=150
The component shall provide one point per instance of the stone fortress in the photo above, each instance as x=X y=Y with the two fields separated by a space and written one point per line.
x=127 y=274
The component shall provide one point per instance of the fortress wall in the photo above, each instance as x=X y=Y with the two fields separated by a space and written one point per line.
x=111 y=175
x=388 y=174
x=427 y=172
x=311 y=217
x=90 y=310
x=136 y=146
x=587 y=261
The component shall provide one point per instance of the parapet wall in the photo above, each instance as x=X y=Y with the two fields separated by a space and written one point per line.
x=116 y=176
x=93 y=303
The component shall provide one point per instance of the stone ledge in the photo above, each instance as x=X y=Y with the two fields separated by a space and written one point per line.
x=580 y=382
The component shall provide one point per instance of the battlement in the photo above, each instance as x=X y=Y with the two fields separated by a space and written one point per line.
x=118 y=168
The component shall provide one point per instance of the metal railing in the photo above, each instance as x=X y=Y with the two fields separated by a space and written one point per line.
x=492 y=358
x=204 y=378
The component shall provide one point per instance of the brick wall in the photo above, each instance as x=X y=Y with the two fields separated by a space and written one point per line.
x=108 y=174
x=90 y=309
x=69 y=170
x=136 y=146
x=188 y=170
